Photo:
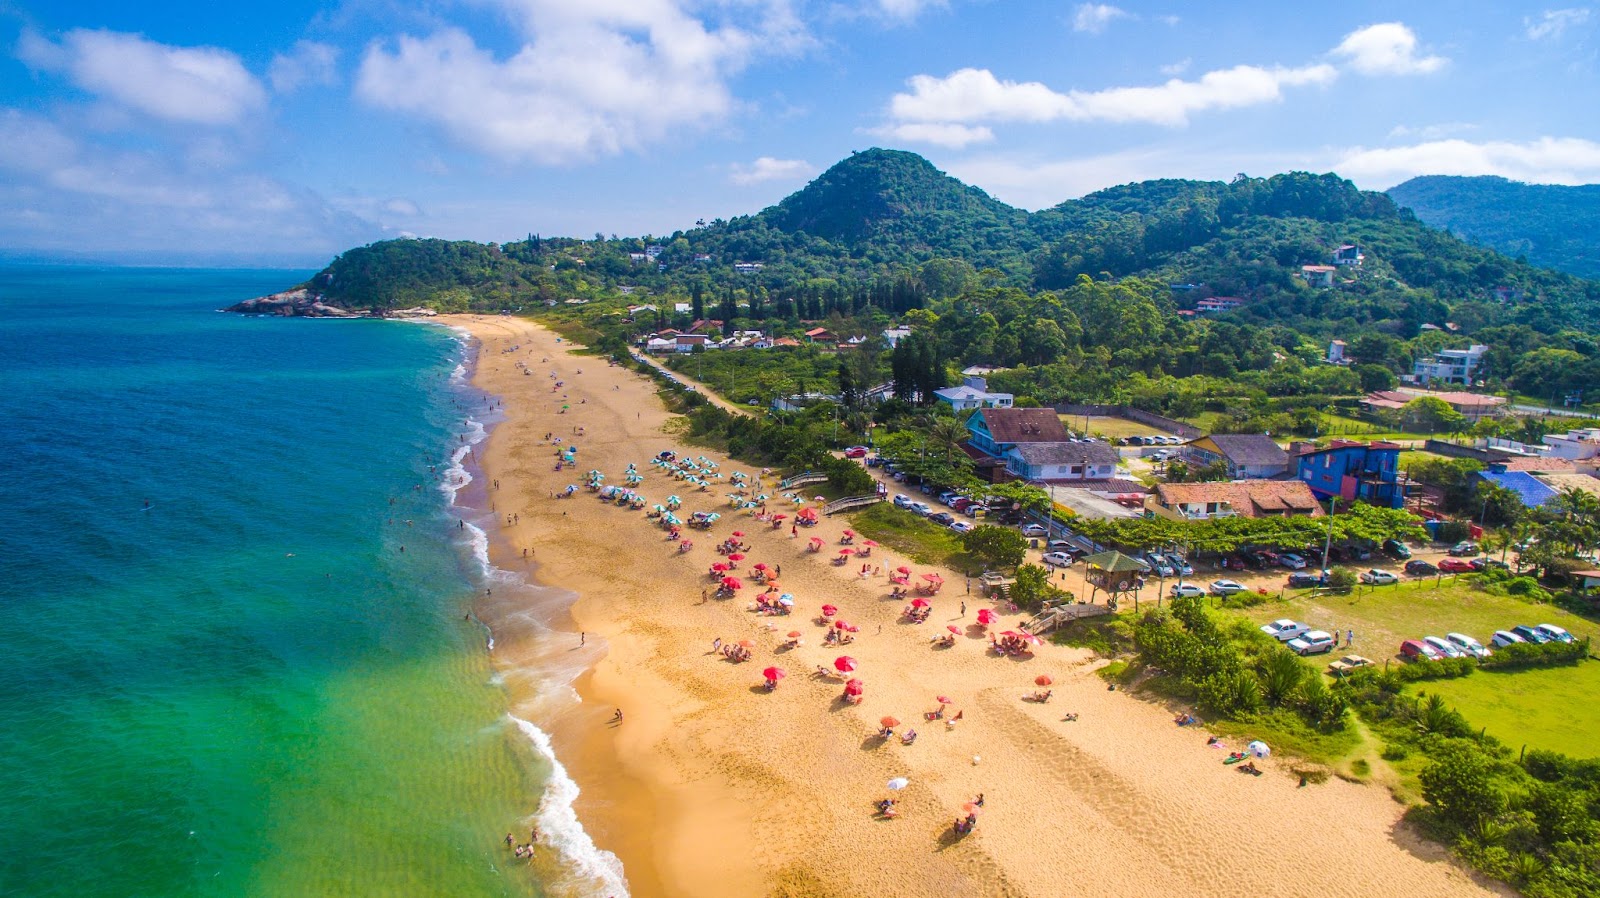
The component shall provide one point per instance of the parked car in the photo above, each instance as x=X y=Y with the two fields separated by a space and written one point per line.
x=856 y=452
x=1417 y=567
x=1417 y=650
x=1035 y=530
x=1464 y=549
x=1376 y=577
x=921 y=508
x=1396 y=549
x=961 y=504
x=1481 y=564
x=1227 y=587
x=1061 y=545
x=1159 y=565
x=963 y=526
x=1555 y=633
x=1455 y=566
x=1285 y=629
x=1186 y=590
x=943 y=518
x=1468 y=645
x=902 y=501
x=1531 y=634
x=1444 y=646
x=1503 y=638
x=1178 y=563
x=1057 y=559
x=1307 y=580
x=1347 y=664
x=1292 y=561
x=1316 y=642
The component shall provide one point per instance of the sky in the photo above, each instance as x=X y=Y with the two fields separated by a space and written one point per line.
x=196 y=132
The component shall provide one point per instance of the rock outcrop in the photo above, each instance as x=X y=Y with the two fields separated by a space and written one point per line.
x=300 y=302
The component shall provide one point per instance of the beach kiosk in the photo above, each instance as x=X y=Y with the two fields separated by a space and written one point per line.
x=1116 y=574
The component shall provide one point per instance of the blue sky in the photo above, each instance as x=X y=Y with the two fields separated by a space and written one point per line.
x=286 y=132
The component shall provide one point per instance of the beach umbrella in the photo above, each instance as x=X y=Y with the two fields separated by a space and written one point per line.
x=853 y=629
x=943 y=700
x=1029 y=637
x=1042 y=680
x=761 y=565
x=986 y=616
x=933 y=578
x=889 y=722
x=732 y=583
x=840 y=624
x=870 y=542
x=853 y=687
x=902 y=569
x=847 y=551
x=721 y=567
x=786 y=601
x=780 y=517
x=787 y=595
x=772 y=585
x=746 y=644
x=953 y=629
x=1259 y=749
x=898 y=782
x=793 y=634
x=971 y=809
x=736 y=556
x=1011 y=634
x=815 y=541
x=738 y=533
x=849 y=533
x=829 y=610
x=773 y=673
x=844 y=663
x=920 y=603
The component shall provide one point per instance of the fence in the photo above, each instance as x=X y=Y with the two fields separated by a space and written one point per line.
x=802 y=480
x=850 y=502
x=1160 y=422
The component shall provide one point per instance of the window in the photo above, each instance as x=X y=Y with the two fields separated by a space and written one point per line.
x=1077 y=469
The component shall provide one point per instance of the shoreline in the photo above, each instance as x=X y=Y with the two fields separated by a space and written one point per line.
x=715 y=786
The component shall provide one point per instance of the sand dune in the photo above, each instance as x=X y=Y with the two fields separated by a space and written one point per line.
x=713 y=786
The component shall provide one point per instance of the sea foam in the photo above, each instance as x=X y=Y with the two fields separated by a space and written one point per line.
x=591 y=869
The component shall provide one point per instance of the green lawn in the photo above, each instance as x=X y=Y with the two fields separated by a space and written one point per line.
x=907 y=532
x=1340 y=426
x=1553 y=708
x=1111 y=428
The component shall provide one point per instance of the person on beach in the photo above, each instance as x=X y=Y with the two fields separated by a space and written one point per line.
x=716 y=644
x=510 y=840
x=617 y=718
x=583 y=638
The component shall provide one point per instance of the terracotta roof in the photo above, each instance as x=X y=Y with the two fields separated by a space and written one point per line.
x=1539 y=464
x=1250 y=498
x=1250 y=449
x=1024 y=425
x=1566 y=482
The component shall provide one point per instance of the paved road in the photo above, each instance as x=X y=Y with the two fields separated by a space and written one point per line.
x=702 y=389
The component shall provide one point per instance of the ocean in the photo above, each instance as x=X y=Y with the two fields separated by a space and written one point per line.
x=237 y=648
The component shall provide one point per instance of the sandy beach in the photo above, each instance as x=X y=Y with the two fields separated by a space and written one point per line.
x=712 y=785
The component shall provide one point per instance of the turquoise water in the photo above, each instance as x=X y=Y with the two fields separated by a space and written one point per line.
x=246 y=688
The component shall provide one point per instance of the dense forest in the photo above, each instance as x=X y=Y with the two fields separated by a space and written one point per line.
x=1550 y=225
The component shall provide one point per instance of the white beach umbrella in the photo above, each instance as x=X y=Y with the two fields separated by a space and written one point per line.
x=898 y=783
x=1259 y=749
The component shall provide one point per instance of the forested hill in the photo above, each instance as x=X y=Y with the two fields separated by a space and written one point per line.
x=1557 y=227
x=884 y=217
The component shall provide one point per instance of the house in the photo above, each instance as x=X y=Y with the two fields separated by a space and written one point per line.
x=821 y=335
x=747 y=267
x=1472 y=406
x=1530 y=490
x=653 y=250
x=1575 y=445
x=1241 y=498
x=973 y=393
x=1336 y=353
x=638 y=258
x=690 y=342
x=1063 y=461
x=785 y=343
x=1586 y=580
x=1366 y=472
x=1247 y=455
x=682 y=308
x=1349 y=254
x=1318 y=275
x=1562 y=482
x=704 y=258
x=1214 y=304
x=1455 y=366
x=894 y=335
x=996 y=431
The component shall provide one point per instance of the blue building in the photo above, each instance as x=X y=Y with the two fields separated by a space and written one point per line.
x=1369 y=472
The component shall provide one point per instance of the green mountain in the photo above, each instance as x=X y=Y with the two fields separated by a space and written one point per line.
x=1556 y=227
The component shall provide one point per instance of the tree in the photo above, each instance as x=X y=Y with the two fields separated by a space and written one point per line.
x=995 y=546
x=1376 y=377
x=1033 y=587
x=1460 y=783
x=1430 y=414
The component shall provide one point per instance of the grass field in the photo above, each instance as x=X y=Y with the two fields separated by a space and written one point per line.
x=906 y=532
x=1552 y=708
x=1111 y=428
x=1340 y=426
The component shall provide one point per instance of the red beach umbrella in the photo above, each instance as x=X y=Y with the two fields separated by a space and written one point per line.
x=774 y=673
x=889 y=721
x=829 y=611
x=1042 y=680
x=794 y=634
x=933 y=578
x=761 y=565
x=746 y=644
x=920 y=603
x=844 y=663
x=986 y=616
x=1029 y=637
x=902 y=569
x=815 y=541
x=852 y=629
x=870 y=542
x=736 y=556
x=849 y=533
x=953 y=629
x=853 y=687
x=732 y=583
x=738 y=533
x=943 y=700
x=721 y=566
x=841 y=624
x=780 y=517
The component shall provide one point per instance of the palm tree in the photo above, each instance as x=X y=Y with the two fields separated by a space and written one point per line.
x=946 y=434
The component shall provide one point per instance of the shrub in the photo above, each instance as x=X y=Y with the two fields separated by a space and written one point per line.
x=1446 y=669
x=1519 y=655
x=1246 y=599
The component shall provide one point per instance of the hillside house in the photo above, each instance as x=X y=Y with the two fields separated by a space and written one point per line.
x=1215 y=304
x=1455 y=366
x=1336 y=353
x=1368 y=472
x=1246 y=455
x=1349 y=254
x=894 y=335
x=821 y=335
x=973 y=393
x=1318 y=275
x=1242 y=498
x=1575 y=445
x=747 y=267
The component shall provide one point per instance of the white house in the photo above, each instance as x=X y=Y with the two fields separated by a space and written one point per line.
x=1336 y=351
x=973 y=393
x=894 y=335
x=1318 y=275
x=1349 y=254
x=1456 y=366
x=1062 y=461
x=1575 y=445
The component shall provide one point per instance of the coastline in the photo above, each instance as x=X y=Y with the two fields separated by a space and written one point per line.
x=714 y=786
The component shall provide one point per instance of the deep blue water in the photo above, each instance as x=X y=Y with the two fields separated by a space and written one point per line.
x=245 y=688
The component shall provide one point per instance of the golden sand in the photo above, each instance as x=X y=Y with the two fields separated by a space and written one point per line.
x=713 y=786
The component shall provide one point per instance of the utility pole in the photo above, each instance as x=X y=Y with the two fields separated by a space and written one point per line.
x=1327 y=545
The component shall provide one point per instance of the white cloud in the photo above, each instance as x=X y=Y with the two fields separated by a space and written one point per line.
x=590 y=79
x=1174 y=69
x=943 y=134
x=1553 y=22
x=1547 y=160
x=1430 y=132
x=1386 y=49
x=194 y=85
x=905 y=10
x=308 y=64
x=1094 y=17
x=976 y=95
x=767 y=168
